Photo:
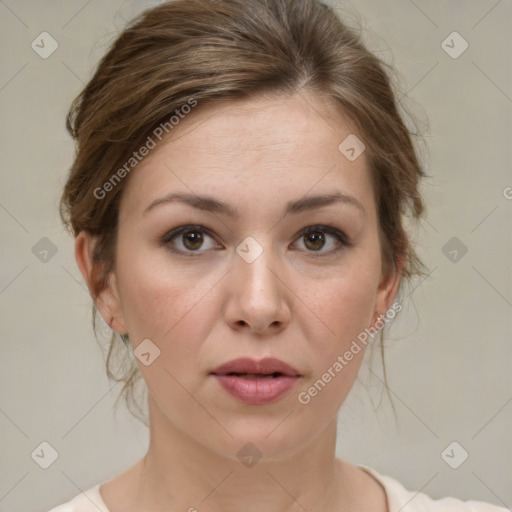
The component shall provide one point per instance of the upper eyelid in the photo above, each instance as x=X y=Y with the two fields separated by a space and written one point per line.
x=329 y=230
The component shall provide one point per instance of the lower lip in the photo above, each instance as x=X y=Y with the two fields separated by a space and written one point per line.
x=257 y=391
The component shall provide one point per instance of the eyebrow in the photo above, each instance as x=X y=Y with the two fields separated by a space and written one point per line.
x=213 y=205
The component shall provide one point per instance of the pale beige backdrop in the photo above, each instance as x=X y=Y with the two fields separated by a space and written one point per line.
x=449 y=362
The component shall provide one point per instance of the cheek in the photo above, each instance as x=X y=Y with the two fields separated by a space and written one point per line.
x=344 y=302
x=340 y=307
x=345 y=308
x=158 y=302
x=172 y=310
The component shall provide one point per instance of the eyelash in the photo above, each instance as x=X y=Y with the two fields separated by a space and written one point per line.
x=175 y=233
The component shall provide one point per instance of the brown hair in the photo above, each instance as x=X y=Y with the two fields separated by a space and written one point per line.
x=218 y=50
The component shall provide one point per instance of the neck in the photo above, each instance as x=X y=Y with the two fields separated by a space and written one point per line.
x=178 y=473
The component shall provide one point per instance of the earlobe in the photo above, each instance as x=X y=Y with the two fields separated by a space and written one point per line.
x=103 y=292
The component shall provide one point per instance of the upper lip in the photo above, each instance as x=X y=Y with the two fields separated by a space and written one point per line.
x=264 y=366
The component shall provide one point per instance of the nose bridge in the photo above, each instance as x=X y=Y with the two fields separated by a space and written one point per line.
x=254 y=262
x=259 y=298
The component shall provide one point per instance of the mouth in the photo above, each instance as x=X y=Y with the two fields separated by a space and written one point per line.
x=256 y=382
x=246 y=367
x=255 y=376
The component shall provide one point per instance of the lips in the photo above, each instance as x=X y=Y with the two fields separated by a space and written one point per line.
x=268 y=367
x=256 y=382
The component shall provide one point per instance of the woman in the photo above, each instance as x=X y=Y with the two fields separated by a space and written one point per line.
x=238 y=200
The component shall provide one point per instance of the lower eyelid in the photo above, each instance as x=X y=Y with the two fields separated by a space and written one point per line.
x=339 y=236
x=178 y=236
x=341 y=243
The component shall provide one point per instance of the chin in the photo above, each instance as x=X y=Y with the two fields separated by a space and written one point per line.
x=271 y=439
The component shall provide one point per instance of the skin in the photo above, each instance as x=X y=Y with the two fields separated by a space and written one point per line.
x=255 y=155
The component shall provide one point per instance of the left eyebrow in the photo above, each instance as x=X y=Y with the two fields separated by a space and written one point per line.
x=211 y=204
x=312 y=202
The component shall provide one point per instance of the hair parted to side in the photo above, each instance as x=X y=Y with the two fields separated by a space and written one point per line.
x=221 y=50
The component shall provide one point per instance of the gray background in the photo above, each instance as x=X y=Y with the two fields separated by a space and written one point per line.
x=450 y=352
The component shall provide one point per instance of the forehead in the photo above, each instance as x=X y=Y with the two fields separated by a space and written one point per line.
x=286 y=142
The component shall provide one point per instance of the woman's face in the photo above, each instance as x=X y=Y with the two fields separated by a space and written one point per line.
x=243 y=279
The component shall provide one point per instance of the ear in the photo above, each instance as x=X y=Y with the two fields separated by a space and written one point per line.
x=106 y=297
x=387 y=290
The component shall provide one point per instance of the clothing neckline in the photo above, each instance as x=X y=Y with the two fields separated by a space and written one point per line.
x=385 y=481
x=387 y=484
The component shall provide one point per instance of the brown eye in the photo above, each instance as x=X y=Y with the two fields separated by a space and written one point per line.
x=323 y=240
x=314 y=240
x=192 y=240
x=189 y=240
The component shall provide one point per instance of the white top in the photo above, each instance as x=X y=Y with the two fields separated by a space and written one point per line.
x=399 y=500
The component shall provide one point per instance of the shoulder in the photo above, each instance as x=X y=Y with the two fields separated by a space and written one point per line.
x=87 y=501
x=404 y=500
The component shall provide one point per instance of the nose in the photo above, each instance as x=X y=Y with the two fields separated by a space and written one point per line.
x=258 y=296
